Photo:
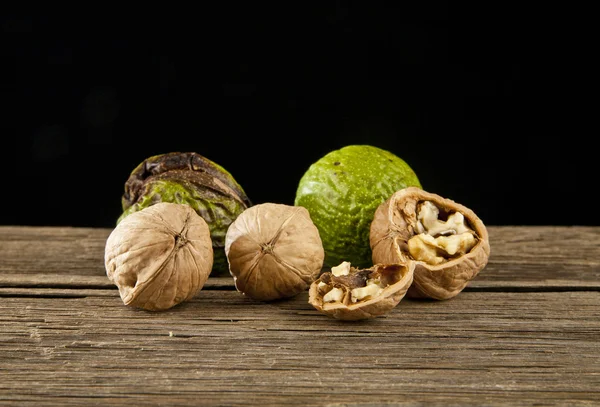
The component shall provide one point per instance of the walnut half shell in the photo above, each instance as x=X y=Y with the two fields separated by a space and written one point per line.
x=446 y=241
x=350 y=294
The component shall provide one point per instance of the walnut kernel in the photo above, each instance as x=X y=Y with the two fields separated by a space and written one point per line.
x=447 y=241
x=349 y=293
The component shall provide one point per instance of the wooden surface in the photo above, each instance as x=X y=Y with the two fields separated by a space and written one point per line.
x=525 y=332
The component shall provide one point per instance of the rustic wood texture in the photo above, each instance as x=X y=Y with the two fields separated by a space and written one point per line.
x=525 y=332
x=542 y=256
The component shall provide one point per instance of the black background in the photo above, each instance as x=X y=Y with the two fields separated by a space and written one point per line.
x=480 y=107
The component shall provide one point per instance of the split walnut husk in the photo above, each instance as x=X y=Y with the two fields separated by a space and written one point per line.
x=209 y=175
x=446 y=241
x=192 y=179
x=351 y=294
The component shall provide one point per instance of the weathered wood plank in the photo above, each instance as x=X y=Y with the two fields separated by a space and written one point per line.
x=85 y=282
x=77 y=288
x=52 y=250
x=67 y=339
x=553 y=255
x=225 y=349
x=522 y=256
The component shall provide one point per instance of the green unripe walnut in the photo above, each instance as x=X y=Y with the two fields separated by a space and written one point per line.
x=343 y=189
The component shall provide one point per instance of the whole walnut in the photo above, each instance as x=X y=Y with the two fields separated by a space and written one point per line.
x=192 y=179
x=159 y=256
x=274 y=251
x=447 y=242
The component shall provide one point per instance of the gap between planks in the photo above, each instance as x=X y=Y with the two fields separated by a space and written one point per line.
x=64 y=286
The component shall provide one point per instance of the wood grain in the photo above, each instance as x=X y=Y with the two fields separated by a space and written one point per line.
x=521 y=256
x=524 y=332
x=225 y=349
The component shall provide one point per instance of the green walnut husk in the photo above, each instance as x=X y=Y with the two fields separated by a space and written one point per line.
x=342 y=190
x=190 y=179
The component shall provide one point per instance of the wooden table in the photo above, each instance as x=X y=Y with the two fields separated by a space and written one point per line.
x=526 y=331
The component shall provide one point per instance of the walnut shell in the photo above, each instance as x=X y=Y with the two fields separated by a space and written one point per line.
x=396 y=279
x=192 y=179
x=159 y=256
x=274 y=251
x=396 y=222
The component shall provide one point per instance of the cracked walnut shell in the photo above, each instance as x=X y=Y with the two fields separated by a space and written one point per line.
x=159 y=256
x=350 y=294
x=447 y=242
x=274 y=251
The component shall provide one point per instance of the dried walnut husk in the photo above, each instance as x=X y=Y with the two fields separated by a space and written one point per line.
x=159 y=256
x=447 y=242
x=274 y=251
x=192 y=179
x=349 y=293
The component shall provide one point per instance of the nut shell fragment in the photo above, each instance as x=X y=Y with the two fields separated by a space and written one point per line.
x=159 y=256
x=274 y=251
x=395 y=223
x=395 y=278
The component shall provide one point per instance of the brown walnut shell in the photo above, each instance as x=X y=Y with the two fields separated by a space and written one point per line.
x=396 y=277
x=159 y=256
x=274 y=251
x=395 y=222
x=192 y=179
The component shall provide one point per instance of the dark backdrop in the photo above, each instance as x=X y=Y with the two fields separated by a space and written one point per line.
x=460 y=96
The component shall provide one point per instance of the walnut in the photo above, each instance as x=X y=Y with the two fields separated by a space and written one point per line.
x=447 y=242
x=274 y=251
x=159 y=256
x=349 y=293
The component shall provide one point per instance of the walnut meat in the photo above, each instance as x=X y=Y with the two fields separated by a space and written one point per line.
x=447 y=242
x=350 y=294
x=274 y=251
x=159 y=256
